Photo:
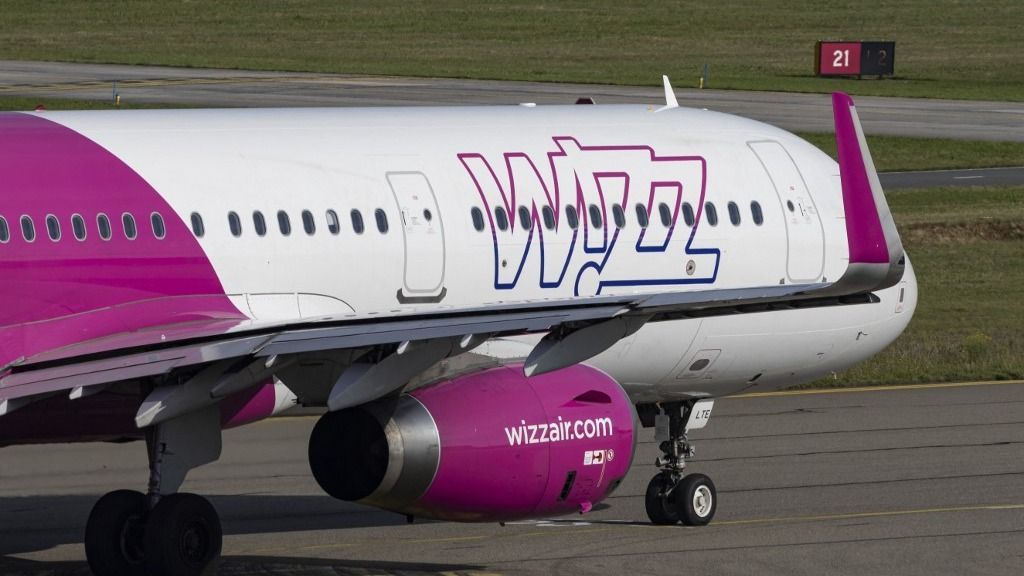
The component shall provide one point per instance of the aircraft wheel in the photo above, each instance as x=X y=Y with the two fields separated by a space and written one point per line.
x=114 y=534
x=183 y=537
x=660 y=503
x=696 y=500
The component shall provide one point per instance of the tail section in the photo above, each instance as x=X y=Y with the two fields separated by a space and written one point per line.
x=876 y=253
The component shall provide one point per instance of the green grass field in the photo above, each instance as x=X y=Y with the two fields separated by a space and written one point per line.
x=967 y=248
x=944 y=48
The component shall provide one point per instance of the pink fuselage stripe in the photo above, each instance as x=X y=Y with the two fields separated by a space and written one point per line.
x=58 y=293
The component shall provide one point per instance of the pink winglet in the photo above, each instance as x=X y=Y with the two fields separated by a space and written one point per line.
x=864 y=230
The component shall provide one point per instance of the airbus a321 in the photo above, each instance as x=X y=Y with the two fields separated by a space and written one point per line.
x=489 y=301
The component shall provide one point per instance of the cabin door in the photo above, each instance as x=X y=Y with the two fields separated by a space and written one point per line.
x=423 y=235
x=806 y=237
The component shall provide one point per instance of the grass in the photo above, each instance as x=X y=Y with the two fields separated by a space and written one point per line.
x=898 y=153
x=944 y=48
x=967 y=247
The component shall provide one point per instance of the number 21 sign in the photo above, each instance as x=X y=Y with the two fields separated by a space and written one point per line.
x=854 y=58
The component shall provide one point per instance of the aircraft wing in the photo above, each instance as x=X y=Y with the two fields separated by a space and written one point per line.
x=240 y=353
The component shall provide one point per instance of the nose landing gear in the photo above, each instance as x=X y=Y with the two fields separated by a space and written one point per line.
x=672 y=497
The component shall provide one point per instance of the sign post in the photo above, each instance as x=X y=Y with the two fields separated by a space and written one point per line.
x=854 y=58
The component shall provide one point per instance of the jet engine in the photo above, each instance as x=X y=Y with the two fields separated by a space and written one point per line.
x=488 y=446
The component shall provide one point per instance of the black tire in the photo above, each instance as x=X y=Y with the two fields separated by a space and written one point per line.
x=658 y=500
x=697 y=500
x=183 y=537
x=114 y=534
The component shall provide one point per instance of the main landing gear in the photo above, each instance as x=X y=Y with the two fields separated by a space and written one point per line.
x=161 y=533
x=672 y=497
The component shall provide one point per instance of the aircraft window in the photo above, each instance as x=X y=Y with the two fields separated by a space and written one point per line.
x=572 y=217
x=53 y=227
x=789 y=204
x=525 y=219
x=235 y=223
x=756 y=213
x=478 y=219
x=666 y=214
x=157 y=222
x=618 y=216
x=308 y=224
x=332 y=222
x=700 y=364
x=5 y=232
x=595 y=216
x=641 y=215
x=382 y=220
x=78 y=226
x=197 y=225
x=428 y=215
x=357 y=221
x=128 y=221
x=734 y=214
x=502 y=218
x=712 y=213
x=103 y=225
x=28 y=229
x=259 y=223
x=688 y=214
x=284 y=223
x=549 y=217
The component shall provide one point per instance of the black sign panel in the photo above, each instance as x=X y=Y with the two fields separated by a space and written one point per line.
x=877 y=58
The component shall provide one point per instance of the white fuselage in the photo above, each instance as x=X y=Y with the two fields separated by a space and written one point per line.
x=426 y=171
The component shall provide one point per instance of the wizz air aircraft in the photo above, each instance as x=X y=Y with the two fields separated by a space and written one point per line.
x=488 y=301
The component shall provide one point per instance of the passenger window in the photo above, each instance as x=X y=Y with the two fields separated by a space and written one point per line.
x=284 y=223
x=103 y=225
x=549 y=217
x=595 y=216
x=525 y=218
x=308 y=224
x=619 y=216
x=5 y=232
x=688 y=214
x=478 y=219
x=502 y=218
x=641 y=215
x=333 y=226
x=157 y=222
x=734 y=214
x=78 y=226
x=259 y=223
x=357 y=221
x=197 y=225
x=572 y=217
x=128 y=221
x=28 y=229
x=382 y=220
x=756 y=213
x=712 y=213
x=235 y=223
x=666 y=214
x=53 y=227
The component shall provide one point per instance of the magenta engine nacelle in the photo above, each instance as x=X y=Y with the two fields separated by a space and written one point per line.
x=489 y=446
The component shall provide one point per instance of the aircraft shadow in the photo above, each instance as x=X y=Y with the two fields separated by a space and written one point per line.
x=35 y=523
x=256 y=565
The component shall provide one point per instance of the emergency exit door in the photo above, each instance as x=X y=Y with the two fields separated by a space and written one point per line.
x=806 y=238
x=423 y=233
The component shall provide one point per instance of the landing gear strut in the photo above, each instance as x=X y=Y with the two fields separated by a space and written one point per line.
x=672 y=497
x=161 y=533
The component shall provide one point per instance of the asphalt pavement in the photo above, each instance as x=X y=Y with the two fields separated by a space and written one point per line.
x=914 y=481
x=218 y=88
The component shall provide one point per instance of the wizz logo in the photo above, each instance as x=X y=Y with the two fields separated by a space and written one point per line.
x=530 y=206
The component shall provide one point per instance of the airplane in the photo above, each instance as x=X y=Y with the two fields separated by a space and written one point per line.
x=488 y=301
